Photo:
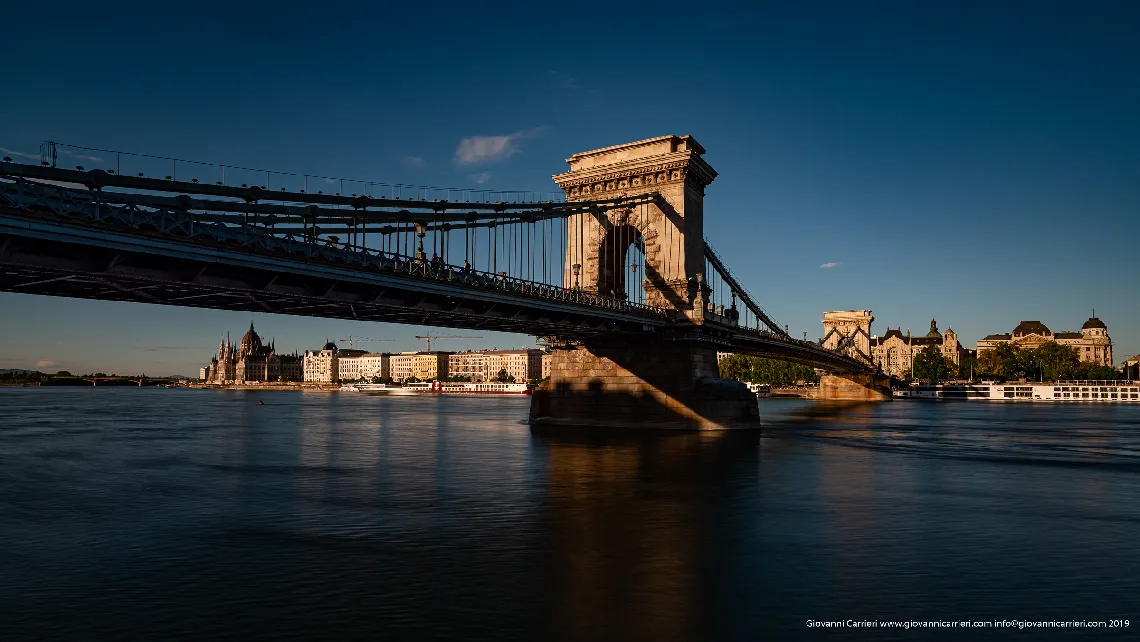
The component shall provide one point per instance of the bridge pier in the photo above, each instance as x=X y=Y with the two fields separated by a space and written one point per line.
x=626 y=382
x=855 y=387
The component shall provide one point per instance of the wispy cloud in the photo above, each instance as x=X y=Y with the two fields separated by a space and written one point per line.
x=46 y=363
x=20 y=154
x=481 y=177
x=830 y=265
x=489 y=149
x=415 y=162
x=94 y=159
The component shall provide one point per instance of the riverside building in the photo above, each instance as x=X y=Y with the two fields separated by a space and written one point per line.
x=421 y=365
x=364 y=367
x=485 y=365
x=1092 y=343
x=250 y=361
x=894 y=352
x=323 y=366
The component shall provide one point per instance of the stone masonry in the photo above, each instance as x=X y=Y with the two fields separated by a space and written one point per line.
x=637 y=381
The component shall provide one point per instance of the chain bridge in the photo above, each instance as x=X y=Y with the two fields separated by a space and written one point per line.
x=614 y=271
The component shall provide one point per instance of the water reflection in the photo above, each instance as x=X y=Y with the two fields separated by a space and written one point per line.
x=627 y=511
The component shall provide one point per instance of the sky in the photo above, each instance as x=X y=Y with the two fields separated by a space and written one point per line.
x=975 y=162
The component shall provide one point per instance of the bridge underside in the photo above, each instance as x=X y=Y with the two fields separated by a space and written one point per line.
x=59 y=260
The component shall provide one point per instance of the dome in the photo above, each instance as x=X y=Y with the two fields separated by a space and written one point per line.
x=933 y=329
x=1031 y=327
x=250 y=343
x=330 y=346
x=1094 y=322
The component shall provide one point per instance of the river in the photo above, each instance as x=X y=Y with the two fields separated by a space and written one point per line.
x=140 y=514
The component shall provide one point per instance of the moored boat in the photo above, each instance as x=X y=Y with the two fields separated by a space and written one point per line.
x=1065 y=391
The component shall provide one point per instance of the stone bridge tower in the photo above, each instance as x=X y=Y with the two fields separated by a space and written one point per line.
x=669 y=230
x=850 y=332
x=641 y=381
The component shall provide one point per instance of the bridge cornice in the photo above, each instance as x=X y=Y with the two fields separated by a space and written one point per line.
x=638 y=174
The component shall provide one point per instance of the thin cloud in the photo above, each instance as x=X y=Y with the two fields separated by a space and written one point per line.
x=46 y=363
x=481 y=177
x=147 y=348
x=830 y=265
x=415 y=162
x=20 y=154
x=489 y=149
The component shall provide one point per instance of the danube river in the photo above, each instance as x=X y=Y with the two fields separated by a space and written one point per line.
x=146 y=514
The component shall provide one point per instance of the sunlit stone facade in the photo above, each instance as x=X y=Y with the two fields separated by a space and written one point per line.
x=250 y=361
x=1092 y=343
x=894 y=352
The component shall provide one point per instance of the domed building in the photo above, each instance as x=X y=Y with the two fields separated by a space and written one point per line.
x=251 y=361
x=894 y=352
x=1092 y=343
x=324 y=365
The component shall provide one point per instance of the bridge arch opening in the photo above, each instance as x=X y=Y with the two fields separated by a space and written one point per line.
x=621 y=264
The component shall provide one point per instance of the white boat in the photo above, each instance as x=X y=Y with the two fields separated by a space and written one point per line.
x=1063 y=391
x=442 y=387
x=464 y=388
x=761 y=390
x=368 y=387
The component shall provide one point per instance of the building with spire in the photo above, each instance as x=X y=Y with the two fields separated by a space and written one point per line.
x=894 y=352
x=1092 y=343
x=250 y=361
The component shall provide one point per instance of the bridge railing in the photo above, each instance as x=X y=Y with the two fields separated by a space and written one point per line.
x=95 y=206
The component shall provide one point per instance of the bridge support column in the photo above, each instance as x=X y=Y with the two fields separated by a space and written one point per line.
x=623 y=382
x=854 y=387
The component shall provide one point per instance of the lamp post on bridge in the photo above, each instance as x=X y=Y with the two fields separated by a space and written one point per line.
x=421 y=231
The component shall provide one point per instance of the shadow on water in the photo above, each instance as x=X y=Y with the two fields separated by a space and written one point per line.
x=630 y=542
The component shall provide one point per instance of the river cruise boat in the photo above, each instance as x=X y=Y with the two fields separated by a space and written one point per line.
x=442 y=387
x=368 y=387
x=761 y=390
x=1079 y=391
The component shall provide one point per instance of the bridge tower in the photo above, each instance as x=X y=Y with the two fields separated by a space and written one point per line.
x=646 y=382
x=849 y=331
x=669 y=230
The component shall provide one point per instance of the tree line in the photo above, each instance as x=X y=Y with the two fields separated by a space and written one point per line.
x=770 y=371
x=1049 y=362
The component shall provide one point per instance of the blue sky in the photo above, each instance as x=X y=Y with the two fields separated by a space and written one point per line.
x=979 y=162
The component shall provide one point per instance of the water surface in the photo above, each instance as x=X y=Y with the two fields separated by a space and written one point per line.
x=130 y=514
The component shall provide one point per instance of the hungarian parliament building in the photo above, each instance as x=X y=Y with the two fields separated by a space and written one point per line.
x=250 y=361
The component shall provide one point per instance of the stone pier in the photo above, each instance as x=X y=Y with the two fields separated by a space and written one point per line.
x=623 y=382
x=854 y=387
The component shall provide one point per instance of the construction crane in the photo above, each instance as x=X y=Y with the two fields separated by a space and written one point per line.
x=354 y=339
x=429 y=336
